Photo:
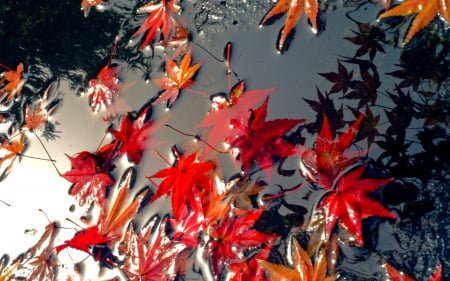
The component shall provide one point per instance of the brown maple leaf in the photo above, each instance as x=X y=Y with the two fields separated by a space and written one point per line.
x=426 y=10
x=178 y=77
x=40 y=259
x=295 y=9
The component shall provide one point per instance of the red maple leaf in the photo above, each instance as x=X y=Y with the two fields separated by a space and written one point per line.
x=84 y=239
x=88 y=178
x=164 y=18
x=395 y=275
x=111 y=222
x=330 y=157
x=180 y=180
x=232 y=236
x=104 y=91
x=187 y=228
x=133 y=134
x=178 y=77
x=350 y=203
x=251 y=270
x=260 y=140
x=217 y=123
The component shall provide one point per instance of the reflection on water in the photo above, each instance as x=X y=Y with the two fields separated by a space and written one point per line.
x=352 y=66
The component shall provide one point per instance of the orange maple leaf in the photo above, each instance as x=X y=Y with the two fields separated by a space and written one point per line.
x=12 y=150
x=303 y=270
x=426 y=11
x=87 y=4
x=295 y=9
x=13 y=83
x=34 y=120
x=178 y=77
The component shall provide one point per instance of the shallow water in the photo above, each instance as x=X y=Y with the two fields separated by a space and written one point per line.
x=59 y=45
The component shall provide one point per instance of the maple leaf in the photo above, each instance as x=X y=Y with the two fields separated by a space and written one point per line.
x=426 y=10
x=251 y=270
x=88 y=178
x=260 y=140
x=40 y=258
x=10 y=151
x=150 y=262
x=368 y=38
x=34 y=120
x=181 y=179
x=84 y=240
x=111 y=222
x=164 y=17
x=295 y=9
x=133 y=135
x=232 y=236
x=240 y=191
x=178 y=77
x=341 y=79
x=368 y=127
x=303 y=268
x=11 y=83
x=350 y=203
x=87 y=4
x=329 y=158
x=217 y=123
x=113 y=218
x=325 y=106
x=104 y=91
x=400 y=276
x=7 y=272
x=366 y=90
x=187 y=228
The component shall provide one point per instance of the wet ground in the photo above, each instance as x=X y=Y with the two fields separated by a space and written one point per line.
x=407 y=87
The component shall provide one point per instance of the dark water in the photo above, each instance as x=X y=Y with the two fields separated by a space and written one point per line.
x=407 y=87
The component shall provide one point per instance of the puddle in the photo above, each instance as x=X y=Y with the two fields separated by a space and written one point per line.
x=403 y=91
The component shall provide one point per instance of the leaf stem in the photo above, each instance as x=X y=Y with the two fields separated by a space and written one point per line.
x=48 y=154
x=34 y=157
x=9 y=205
x=6 y=67
x=196 y=137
